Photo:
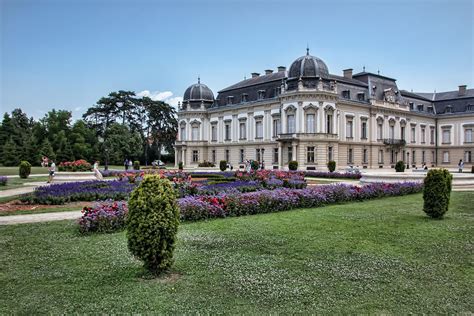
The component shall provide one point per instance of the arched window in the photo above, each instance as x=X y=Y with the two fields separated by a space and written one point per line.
x=182 y=131
x=195 y=131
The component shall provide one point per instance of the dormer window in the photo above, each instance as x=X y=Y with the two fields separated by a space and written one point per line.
x=277 y=91
x=245 y=97
x=470 y=107
x=430 y=109
x=261 y=94
x=346 y=94
x=361 y=96
x=411 y=105
x=449 y=109
x=419 y=107
x=230 y=100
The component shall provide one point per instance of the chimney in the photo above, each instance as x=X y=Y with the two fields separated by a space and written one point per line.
x=255 y=74
x=347 y=73
x=281 y=68
x=462 y=90
x=268 y=71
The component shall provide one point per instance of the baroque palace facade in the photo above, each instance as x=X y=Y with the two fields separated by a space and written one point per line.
x=311 y=116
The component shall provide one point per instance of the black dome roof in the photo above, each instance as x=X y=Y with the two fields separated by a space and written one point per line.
x=198 y=92
x=308 y=66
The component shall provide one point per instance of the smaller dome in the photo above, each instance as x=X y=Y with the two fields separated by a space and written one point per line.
x=198 y=92
x=308 y=66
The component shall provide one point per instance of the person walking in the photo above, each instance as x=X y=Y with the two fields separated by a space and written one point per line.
x=97 y=173
x=125 y=163
x=52 y=170
x=460 y=165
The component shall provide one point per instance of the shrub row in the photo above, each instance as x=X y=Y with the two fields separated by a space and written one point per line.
x=78 y=165
x=333 y=175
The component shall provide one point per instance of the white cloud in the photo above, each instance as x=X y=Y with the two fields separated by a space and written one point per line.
x=78 y=108
x=165 y=96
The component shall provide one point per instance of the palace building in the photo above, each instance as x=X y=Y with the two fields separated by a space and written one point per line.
x=309 y=115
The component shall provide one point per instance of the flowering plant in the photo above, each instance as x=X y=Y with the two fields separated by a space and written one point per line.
x=3 y=180
x=108 y=216
x=78 y=165
x=334 y=175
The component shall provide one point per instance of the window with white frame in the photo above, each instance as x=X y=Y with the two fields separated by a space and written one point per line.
x=423 y=136
x=195 y=132
x=350 y=155
x=195 y=156
x=468 y=135
x=391 y=131
x=445 y=156
x=329 y=123
x=227 y=131
x=242 y=155
x=413 y=134
x=259 y=129
x=242 y=130
x=330 y=154
x=213 y=158
x=290 y=153
x=467 y=156
x=423 y=157
x=227 y=155
x=363 y=130
x=446 y=135
x=402 y=132
x=182 y=132
x=275 y=155
x=349 y=128
x=291 y=123
x=365 y=158
x=413 y=157
x=379 y=129
x=310 y=154
x=432 y=135
x=214 y=132
x=380 y=156
x=276 y=127
x=310 y=123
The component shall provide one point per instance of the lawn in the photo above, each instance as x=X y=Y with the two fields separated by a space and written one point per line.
x=14 y=171
x=381 y=256
x=14 y=183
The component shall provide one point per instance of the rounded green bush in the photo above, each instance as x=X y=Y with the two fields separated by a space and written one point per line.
x=223 y=165
x=136 y=165
x=25 y=169
x=180 y=165
x=152 y=223
x=331 y=165
x=436 y=192
x=293 y=165
x=400 y=166
x=254 y=165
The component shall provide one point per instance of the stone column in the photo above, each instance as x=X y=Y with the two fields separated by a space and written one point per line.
x=183 y=156
x=293 y=153
x=176 y=157
x=280 y=155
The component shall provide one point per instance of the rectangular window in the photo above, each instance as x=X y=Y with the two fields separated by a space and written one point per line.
x=364 y=130
x=413 y=134
x=411 y=105
x=258 y=156
x=361 y=96
x=380 y=156
x=445 y=156
x=380 y=131
x=275 y=155
x=422 y=135
x=349 y=129
x=227 y=155
x=392 y=156
x=446 y=136
x=230 y=100
x=227 y=132
x=242 y=130
x=329 y=124
x=258 y=129
x=310 y=126
x=290 y=153
x=276 y=127
x=423 y=157
x=330 y=153
x=468 y=135
x=346 y=94
x=413 y=157
x=213 y=133
x=291 y=123
x=195 y=133
x=402 y=132
x=392 y=132
x=433 y=158
x=242 y=155
x=420 y=107
x=244 y=97
x=310 y=154
x=432 y=135
x=183 y=133
x=364 y=156
x=468 y=156
x=213 y=158
x=350 y=158
x=195 y=156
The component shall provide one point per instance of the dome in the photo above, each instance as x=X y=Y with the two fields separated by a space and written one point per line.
x=308 y=66
x=198 y=92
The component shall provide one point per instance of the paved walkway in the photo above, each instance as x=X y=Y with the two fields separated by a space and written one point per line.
x=36 y=218
x=17 y=191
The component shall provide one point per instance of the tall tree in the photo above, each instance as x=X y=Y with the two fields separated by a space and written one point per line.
x=10 y=153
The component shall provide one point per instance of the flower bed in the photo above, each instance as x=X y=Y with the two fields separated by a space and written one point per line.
x=272 y=179
x=3 y=180
x=78 y=165
x=79 y=191
x=333 y=175
x=104 y=217
x=267 y=201
x=236 y=186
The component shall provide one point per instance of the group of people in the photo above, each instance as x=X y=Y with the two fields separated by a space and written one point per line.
x=248 y=165
x=128 y=164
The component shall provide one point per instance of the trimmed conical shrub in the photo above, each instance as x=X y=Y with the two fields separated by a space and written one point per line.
x=437 y=192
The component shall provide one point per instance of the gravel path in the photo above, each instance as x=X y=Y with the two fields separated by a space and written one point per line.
x=17 y=191
x=36 y=218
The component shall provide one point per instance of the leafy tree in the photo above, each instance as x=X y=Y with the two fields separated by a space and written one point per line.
x=64 y=150
x=29 y=151
x=47 y=150
x=10 y=153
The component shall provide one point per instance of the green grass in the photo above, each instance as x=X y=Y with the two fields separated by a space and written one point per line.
x=14 y=171
x=59 y=208
x=14 y=183
x=9 y=198
x=380 y=257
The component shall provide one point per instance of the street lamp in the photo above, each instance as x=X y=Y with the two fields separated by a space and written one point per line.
x=106 y=150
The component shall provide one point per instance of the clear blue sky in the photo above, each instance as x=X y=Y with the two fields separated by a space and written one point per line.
x=68 y=53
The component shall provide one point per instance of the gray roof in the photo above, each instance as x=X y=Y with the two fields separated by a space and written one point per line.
x=348 y=80
x=415 y=95
x=198 y=92
x=448 y=95
x=308 y=66
x=257 y=80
